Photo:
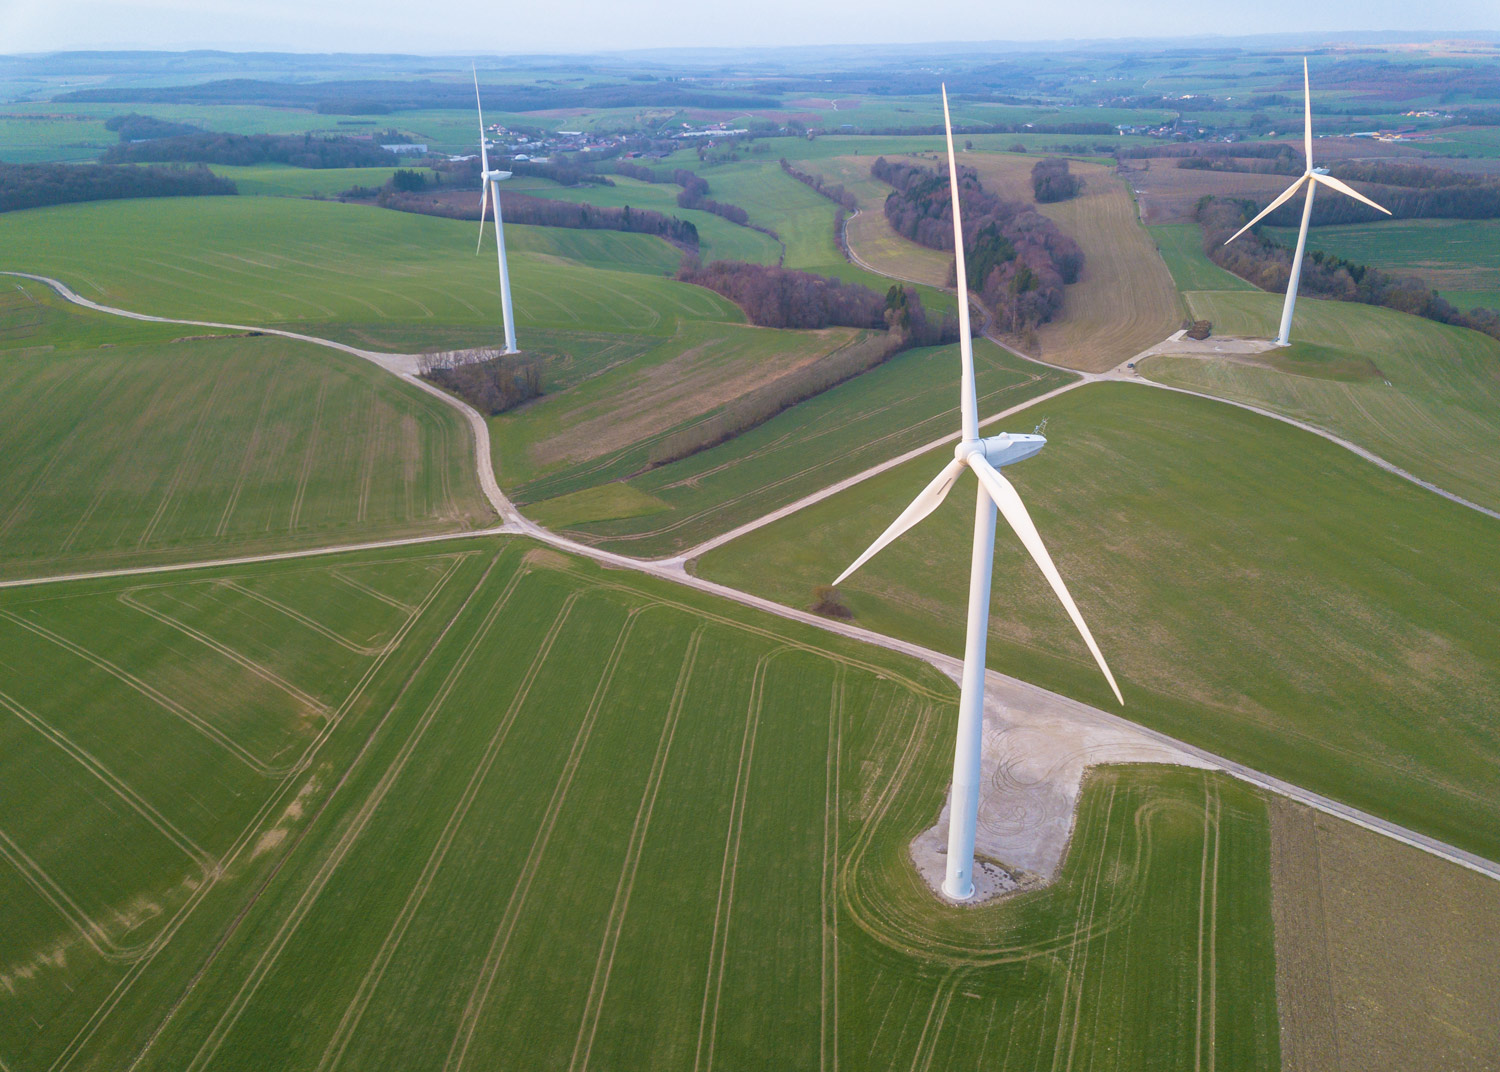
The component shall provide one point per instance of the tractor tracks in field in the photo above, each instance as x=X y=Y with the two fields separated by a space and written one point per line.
x=512 y=522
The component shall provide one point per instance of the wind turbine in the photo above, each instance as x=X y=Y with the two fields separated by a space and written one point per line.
x=1311 y=177
x=490 y=182
x=985 y=457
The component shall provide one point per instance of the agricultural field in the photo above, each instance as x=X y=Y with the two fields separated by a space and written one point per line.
x=1359 y=919
x=1181 y=247
x=910 y=400
x=1170 y=194
x=670 y=823
x=870 y=235
x=1422 y=395
x=1350 y=649
x=129 y=444
x=278 y=180
x=356 y=273
x=1458 y=258
x=718 y=238
x=1125 y=300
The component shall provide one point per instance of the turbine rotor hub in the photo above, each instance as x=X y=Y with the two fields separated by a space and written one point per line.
x=1007 y=448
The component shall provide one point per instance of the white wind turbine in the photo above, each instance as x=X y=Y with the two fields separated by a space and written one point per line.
x=985 y=457
x=1311 y=177
x=490 y=181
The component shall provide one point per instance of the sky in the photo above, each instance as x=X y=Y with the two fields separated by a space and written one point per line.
x=506 y=26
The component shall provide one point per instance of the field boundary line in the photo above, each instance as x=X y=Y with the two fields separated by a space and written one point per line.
x=479 y=995
x=356 y=827
x=828 y=1055
x=360 y=586
x=333 y=1053
x=298 y=616
x=168 y=704
x=615 y=925
x=269 y=676
x=116 y=784
x=273 y=801
x=718 y=950
x=47 y=887
x=309 y=455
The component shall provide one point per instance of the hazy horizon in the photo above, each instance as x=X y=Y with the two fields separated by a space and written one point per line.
x=583 y=26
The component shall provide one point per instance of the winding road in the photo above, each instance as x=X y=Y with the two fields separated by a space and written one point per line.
x=1019 y=704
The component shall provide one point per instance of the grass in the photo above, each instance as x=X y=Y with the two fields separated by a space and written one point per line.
x=1258 y=592
x=669 y=823
x=718 y=238
x=1359 y=918
x=143 y=449
x=902 y=404
x=280 y=180
x=1451 y=256
x=1181 y=247
x=349 y=270
x=607 y=502
x=1423 y=395
x=870 y=235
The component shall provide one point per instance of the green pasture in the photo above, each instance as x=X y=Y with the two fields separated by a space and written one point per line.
x=281 y=180
x=1454 y=257
x=910 y=400
x=484 y=804
x=1258 y=591
x=719 y=240
x=141 y=449
x=1422 y=395
x=349 y=270
x=1181 y=246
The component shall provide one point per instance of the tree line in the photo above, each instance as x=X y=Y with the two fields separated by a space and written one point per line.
x=695 y=191
x=540 y=212
x=36 y=185
x=906 y=325
x=784 y=298
x=298 y=150
x=134 y=127
x=1256 y=257
x=1018 y=259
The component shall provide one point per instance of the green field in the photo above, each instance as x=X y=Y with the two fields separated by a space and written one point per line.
x=719 y=240
x=1181 y=246
x=123 y=447
x=349 y=271
x=1258 y=592
x=279 y=180
x=1454 y=257
x=910 y=400
x=366 y=834
x=1422 y=395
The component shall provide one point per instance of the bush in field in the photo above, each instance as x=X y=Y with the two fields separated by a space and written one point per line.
x=489 y=380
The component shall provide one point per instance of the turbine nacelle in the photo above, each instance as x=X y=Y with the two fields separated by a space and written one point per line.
x=494 y=176
x=1007 y=448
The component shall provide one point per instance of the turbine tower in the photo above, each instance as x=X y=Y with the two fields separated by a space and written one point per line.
x=490 y=182
x=1311 y=177
x=985 y=457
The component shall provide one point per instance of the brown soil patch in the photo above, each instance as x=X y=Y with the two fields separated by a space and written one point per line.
x=694 y=382
x=1169 y=194
x=1386 y=957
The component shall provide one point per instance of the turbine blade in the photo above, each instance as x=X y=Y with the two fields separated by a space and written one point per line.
x=928 y=500
x=1272 y=207
x=484 y=204
x=968 y=402
x=484 y=155
x=1009 y=502
x=1306 y=115
x=1344 y=188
